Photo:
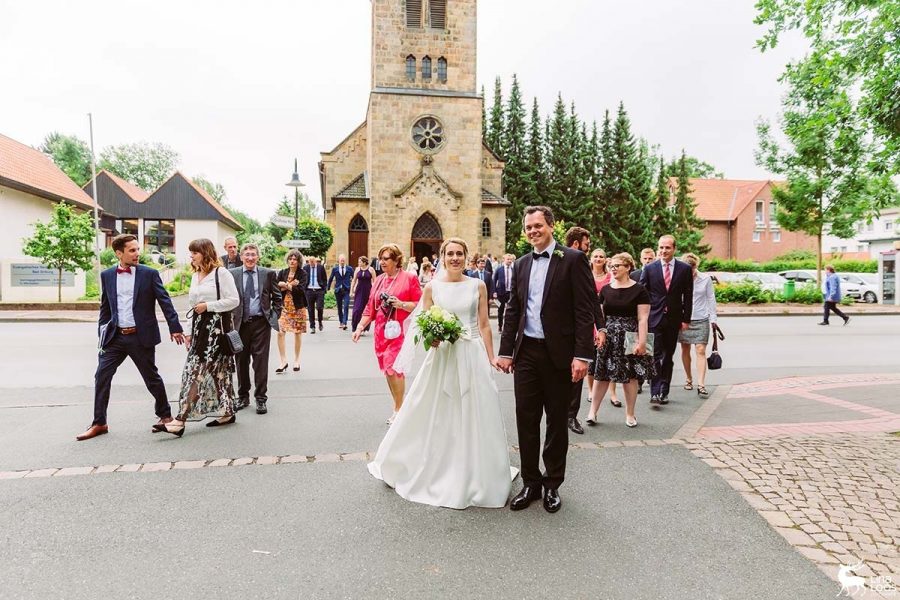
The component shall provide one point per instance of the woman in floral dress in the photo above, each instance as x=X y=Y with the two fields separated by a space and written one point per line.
x=292 y=281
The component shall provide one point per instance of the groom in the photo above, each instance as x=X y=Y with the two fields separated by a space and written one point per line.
x=547 y=341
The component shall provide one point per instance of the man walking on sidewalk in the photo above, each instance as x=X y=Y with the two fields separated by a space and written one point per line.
x=832 y=296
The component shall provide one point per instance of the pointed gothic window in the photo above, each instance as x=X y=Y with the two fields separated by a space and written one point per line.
x=437 y=14
x=427 y=228
x=413 y=13
x=442 y=70
x=359 y=224
x=426 y=68
x=410 y=68
x=486 y=228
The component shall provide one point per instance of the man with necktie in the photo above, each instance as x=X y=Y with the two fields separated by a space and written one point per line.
x=481 y=273
x=502 y=286
x=255 y=318
x=670 y=284
x=128 y=329
x=315 y=291
x=342 y=276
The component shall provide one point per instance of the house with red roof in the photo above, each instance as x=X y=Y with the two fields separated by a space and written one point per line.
x=30 y=184
x=741 y=221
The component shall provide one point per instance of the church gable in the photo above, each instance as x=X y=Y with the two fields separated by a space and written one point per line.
x=427 y=185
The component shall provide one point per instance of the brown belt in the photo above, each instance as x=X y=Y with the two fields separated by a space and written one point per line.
x=127 y=330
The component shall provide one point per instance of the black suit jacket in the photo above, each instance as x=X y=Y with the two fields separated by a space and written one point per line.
x=269 y=296
x=321 y=277
x=487 y=281
x=148 y=291
x=230 y=264
x=674 y=305
x=499 y=282
x=636 y=275
x=567 y=313
x=297 y=293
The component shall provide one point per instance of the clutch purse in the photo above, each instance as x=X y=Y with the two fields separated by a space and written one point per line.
x=631 y=338
x=233 y=342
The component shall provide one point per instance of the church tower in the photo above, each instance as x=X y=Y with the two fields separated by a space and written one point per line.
x=428 y=175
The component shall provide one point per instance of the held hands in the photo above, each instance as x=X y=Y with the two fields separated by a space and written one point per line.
x=503 y=364
x=579 y=369
x=187 y=342
x=599 y=339
x=684 y=326
x=200 y=308
x=180 y=338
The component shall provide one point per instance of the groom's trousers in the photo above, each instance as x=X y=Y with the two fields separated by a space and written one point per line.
x=541 y=388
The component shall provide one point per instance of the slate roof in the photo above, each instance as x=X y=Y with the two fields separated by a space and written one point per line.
x=357 y=189
x=492 y=198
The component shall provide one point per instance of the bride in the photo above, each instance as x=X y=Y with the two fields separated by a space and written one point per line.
x=447 y=446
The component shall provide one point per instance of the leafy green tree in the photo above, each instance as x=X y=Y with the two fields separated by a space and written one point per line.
x=689 y=227
x=696 y=169
x=496 y=124
x=662 y=218
x=522 y=245
x=64 y=243
x=145 y=165
x=307 y=210
x=70 y=154
x=216 y=190
x=319 y=233
x=829 y=160
x=853 y=44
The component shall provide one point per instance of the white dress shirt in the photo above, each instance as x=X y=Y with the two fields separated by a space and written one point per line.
x=534 y=327
x=125 y=297
x=704 y=306
x=205 y=291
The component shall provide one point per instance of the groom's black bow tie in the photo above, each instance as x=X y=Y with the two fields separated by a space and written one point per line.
x=537 y=255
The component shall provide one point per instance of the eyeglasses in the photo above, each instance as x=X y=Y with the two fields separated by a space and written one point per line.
x=616 y=266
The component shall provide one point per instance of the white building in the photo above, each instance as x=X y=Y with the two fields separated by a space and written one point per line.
x=882 y=234
x=30 y=184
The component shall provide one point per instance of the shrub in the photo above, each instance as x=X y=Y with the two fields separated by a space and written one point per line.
x=330 y=302
x=108 y=257
x=748 y=292
x=797 y=254
x=808 y=294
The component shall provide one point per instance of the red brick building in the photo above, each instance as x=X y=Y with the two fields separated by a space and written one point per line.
x=740 y=220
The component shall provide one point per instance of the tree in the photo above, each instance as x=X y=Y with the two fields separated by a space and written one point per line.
x=216 y=190
x=828 y=162
x=696 y=169
x=249 y=225
x=70 y=154
x=689 y=228
x=64 y=243
x=145 y=165
x=518 y=175
x=854 y=45
x=523 y=246
x=662 y=218
x=496 y=124
x=307 y=210
x=561 y=172
x=319 y=233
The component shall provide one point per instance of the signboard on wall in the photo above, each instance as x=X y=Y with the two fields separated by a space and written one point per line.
x=283 y=221
x=32 y=275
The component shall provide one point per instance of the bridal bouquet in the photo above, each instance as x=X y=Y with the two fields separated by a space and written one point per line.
x=437 y=325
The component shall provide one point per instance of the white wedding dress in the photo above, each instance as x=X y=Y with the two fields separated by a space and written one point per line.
x=447 y=446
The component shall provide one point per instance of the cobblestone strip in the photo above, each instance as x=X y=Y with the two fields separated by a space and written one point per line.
x=702 y=414
x=272 y=460
x=835 y=498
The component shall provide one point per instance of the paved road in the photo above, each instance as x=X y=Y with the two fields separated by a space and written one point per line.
x=638 y=522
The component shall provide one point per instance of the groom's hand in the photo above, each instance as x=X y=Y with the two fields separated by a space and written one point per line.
x=579 y=369
x=503 y=364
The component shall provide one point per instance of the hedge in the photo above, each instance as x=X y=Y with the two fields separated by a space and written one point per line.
x=775 y=266
x=750 y=292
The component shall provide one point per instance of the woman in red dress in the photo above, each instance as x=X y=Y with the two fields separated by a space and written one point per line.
x=394 y=296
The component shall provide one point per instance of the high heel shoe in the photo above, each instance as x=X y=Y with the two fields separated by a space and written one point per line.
x=296 y=368
x=282 y=369
x=218 y=423
x=591 y=420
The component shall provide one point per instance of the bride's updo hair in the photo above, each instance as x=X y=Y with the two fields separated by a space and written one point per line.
x=453 y=240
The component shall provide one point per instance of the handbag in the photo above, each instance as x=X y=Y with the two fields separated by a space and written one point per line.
x=233 y=343
x=392 y=329
x=714 y=360
x=631 y=338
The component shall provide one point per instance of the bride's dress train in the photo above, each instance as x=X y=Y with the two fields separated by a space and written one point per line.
x=447 y=446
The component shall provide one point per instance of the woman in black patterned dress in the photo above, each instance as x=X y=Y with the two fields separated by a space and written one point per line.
x=626 y=308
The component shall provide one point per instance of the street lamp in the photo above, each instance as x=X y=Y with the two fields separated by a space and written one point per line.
x=296 y=184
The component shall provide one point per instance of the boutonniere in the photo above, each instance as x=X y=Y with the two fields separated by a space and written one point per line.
x=558 y=253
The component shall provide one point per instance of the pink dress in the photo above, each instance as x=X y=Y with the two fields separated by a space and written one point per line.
x=404 y=286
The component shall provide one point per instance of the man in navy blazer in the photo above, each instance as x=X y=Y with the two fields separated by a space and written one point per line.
x=342 y=277
x=481 y=273
x=127 y=328
x=670 y=284
x=317 y=280
x=502 y=285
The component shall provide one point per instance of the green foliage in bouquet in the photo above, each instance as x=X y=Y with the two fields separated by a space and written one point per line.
x=437 y=325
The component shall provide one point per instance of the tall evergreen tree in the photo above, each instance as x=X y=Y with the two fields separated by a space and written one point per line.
x=519 y=175
x=662 y=218
x=638 y=221
x=536 y=156
x=496 y=124
x=688 y=227
x=560 y=162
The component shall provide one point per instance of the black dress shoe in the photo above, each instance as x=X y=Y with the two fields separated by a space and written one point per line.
x=664 y=400
x=312 y=329
x=654 y=399
x=261 y=407
x=218 y=423
x=575 y=426
x=524 y=498
x=242 y=403
x=552 y=501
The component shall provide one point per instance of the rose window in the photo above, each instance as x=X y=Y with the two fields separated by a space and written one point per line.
x=428 y=135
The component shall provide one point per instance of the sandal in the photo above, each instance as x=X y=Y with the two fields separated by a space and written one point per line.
x=701 y=391
x=689 y=385
x=615 y=403
x=631 y=422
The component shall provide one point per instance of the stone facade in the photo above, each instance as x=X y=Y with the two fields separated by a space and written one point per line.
x=457 y=183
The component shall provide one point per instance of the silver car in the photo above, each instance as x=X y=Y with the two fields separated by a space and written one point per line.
x=866 y=283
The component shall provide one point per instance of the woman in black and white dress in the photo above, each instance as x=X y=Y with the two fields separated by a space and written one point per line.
x=206 y=381
x=626 y=308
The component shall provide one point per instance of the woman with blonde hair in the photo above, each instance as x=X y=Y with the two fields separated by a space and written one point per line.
x=703 y=316
x=206 y=381
x=394 y=296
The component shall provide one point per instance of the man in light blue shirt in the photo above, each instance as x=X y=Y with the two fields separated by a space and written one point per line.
x=832 y=296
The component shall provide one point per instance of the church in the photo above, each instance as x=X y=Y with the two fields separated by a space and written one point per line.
x=417 y=170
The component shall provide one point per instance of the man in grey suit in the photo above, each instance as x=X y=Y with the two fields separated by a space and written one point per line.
x=255 y=318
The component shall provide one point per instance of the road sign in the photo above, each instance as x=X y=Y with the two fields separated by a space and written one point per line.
x=282 y=221
x=302 y=244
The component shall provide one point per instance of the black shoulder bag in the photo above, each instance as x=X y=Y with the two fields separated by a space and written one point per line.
x=714 y=360
x=233 y=343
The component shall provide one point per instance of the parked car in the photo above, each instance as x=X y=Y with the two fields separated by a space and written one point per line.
x=771 y=282
x=722 y=277
x=866 y=282
x=804 y=276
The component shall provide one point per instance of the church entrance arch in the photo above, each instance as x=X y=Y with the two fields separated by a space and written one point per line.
x=357 y=239
x=426 y=238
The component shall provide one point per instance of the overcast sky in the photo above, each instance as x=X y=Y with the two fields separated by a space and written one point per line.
x=239 y=89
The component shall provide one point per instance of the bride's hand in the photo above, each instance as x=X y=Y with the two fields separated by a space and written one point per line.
x=435 y=343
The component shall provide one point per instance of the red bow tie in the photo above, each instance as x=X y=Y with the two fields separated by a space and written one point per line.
x=123 y=270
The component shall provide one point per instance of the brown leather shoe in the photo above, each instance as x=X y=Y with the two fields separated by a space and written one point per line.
x=92 y=432
x=156 y=429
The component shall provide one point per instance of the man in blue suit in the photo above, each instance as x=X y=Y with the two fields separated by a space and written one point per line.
x=342 y=277
x=481 y=273
x=670 y=284
x=128 y=329
x=502 y=281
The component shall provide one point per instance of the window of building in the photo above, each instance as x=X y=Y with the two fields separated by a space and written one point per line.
x=159 y=236
x=426 y=68
x=486 y=228
x=776 y=236
x=442 y=70
x=437 y=14
x=773 y=213
x=410 y=68
x=756 y=236
x=888 y=225
x=127 y=226
x=759 y=211
x=870 y=226
x=413 y=13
